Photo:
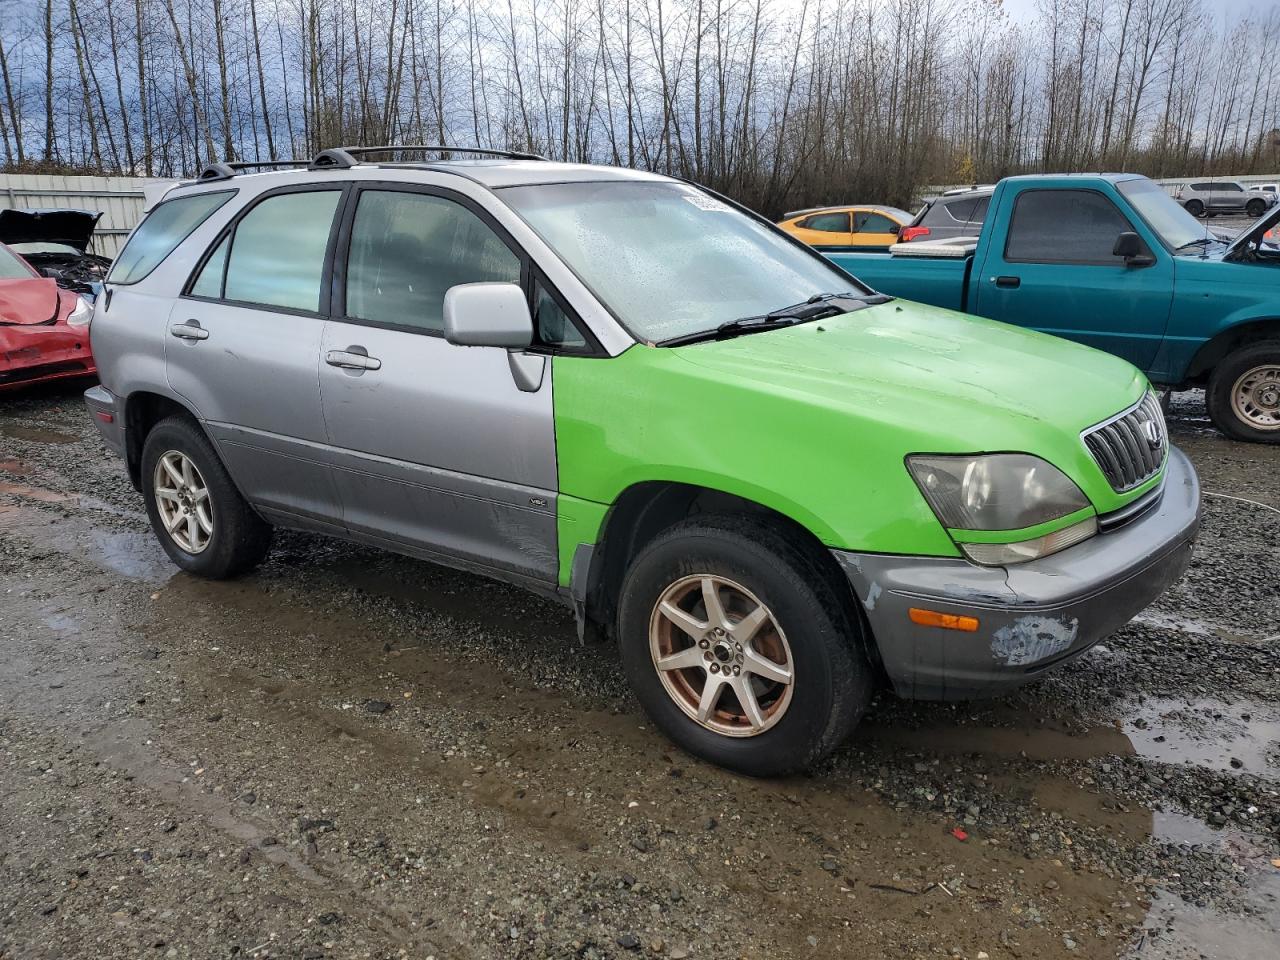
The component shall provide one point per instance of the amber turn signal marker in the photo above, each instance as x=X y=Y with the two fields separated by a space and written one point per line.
x=948 y=621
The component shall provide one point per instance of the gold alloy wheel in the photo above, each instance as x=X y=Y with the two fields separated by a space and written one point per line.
x=182 y=499
x=1255 y=397
x=721 y=655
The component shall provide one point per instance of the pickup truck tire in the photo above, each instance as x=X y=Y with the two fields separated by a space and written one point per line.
x=1256 y=208
x=760 y=618
x=1243 y=395
x=197 y=513
x=1195 y=208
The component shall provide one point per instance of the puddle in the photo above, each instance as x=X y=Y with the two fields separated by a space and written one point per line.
x=37 y=434
x=1177 y=930
x=1231 y=738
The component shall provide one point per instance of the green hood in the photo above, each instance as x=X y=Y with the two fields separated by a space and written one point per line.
x=814 y=420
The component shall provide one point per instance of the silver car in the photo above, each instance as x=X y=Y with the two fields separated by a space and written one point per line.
x=1208 y=198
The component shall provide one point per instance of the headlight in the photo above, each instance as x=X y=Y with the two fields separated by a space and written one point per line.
x=1002 y=492
x=81 y=314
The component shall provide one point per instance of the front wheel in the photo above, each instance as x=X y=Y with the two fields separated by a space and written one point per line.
x=1243 y=396
x=740 y=646
x=197 y=513
x=1195 y=208
x=1256 y=208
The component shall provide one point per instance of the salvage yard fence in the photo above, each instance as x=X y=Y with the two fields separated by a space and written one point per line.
x=121 y=200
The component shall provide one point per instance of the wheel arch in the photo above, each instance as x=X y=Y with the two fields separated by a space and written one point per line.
x=143 y=409
x=644 y=510
x=1226 y=341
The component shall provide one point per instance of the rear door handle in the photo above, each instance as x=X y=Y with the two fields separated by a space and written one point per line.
x=191 y=330
x=348 y=360
x=1007 y=281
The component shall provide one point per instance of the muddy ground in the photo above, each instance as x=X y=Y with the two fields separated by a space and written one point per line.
x=351 y=754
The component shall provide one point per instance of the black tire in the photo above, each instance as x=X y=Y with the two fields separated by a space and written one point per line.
x=239 y=538
x=1256 y=208
x=833 y=679
x=1223 y=381
x=1195 y=208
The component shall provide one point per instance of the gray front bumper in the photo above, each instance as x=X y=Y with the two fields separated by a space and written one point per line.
x=1031 y=616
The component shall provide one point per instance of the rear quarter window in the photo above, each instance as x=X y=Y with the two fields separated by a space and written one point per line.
x=166 y=226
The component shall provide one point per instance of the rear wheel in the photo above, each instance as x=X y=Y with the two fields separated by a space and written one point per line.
x=198 y=515
x=1243 y=395
x=1256 y=208
x=740 y=646
x=1195 y=208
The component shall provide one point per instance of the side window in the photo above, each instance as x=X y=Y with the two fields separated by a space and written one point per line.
x=980 y=211
x=277 y=251
x=961 y=211
x=552 y=326
x=1064 y=226
x=874 y=223
x=1231 y=187
x=826 y=222
x=1201 y=187
x=408 y=249
x=209 y=283
x=166 y=226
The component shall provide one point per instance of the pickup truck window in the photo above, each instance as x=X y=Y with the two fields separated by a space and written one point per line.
x=1064 y=226
x=1163 y=214
x=668 y=259
x=407 y=249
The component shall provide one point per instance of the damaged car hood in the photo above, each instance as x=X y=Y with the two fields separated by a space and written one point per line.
x=71 y=227
x=27 y=302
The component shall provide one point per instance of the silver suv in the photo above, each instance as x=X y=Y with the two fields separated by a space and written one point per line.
x=1208 y=198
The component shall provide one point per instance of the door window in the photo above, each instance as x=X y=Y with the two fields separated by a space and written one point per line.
x=873 y=223
x=1064 y=226
x=1230 y=188
x=276 y=257
x=408 y=249
x=827 y=222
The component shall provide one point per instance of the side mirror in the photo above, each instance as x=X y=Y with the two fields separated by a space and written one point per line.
x=1130 y=246
x=487 y=315
x=895 y=229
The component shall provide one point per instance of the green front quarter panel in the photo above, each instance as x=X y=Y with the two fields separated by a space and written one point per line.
x=814 y=421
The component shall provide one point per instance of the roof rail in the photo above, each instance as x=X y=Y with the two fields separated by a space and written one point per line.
x=343 y=157
x=225 y=171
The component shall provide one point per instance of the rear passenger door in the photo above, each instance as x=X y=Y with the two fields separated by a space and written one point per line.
x=244 y=346
x=1050 y=266
x=437 y=449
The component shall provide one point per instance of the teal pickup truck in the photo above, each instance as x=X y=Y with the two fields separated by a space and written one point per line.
x=1114 y=262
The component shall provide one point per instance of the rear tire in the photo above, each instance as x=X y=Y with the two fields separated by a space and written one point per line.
x=1195 y=208
x=807 y=629
x=1243 y=395
x=196 y=512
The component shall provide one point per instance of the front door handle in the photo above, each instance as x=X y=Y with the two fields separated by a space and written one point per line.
x=349 y=360
x=1007 y=281
x=191 y=330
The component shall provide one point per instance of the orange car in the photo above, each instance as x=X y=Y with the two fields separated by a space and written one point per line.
x=856 y=227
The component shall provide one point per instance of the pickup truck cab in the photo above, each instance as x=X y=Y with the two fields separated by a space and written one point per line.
x=775 y=488
x=1114 y=262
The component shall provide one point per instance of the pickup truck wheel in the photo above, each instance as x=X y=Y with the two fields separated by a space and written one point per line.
x=1256 y=208
x=1195 y=208
x=1243 y=395
x=198 y=515
x=739 y=647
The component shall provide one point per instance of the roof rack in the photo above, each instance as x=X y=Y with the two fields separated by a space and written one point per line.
x=225 y=171
x=341 y=158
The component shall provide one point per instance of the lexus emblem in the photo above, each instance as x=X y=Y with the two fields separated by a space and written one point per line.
x=1152 y=429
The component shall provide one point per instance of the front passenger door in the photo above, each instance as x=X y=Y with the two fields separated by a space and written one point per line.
x=437 y=450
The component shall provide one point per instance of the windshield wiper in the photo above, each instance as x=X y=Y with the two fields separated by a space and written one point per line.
x=1200 y=241
x=815 y=308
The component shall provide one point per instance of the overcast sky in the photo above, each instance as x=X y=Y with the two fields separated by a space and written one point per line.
x=1228 y=9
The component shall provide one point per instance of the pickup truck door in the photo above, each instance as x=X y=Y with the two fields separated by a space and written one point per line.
x=437 y=450
x=1049 y=265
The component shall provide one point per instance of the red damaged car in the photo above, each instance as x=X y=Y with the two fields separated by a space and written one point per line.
x=44 y=330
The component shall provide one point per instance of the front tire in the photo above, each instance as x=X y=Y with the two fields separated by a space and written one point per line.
x=1243 y=395
x=1256 y=208
x=741 y=646
x=1195 y=208
x=196 y=512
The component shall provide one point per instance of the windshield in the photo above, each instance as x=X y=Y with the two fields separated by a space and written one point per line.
x=11 y=268
x=1163 y=214
x=667 y=259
